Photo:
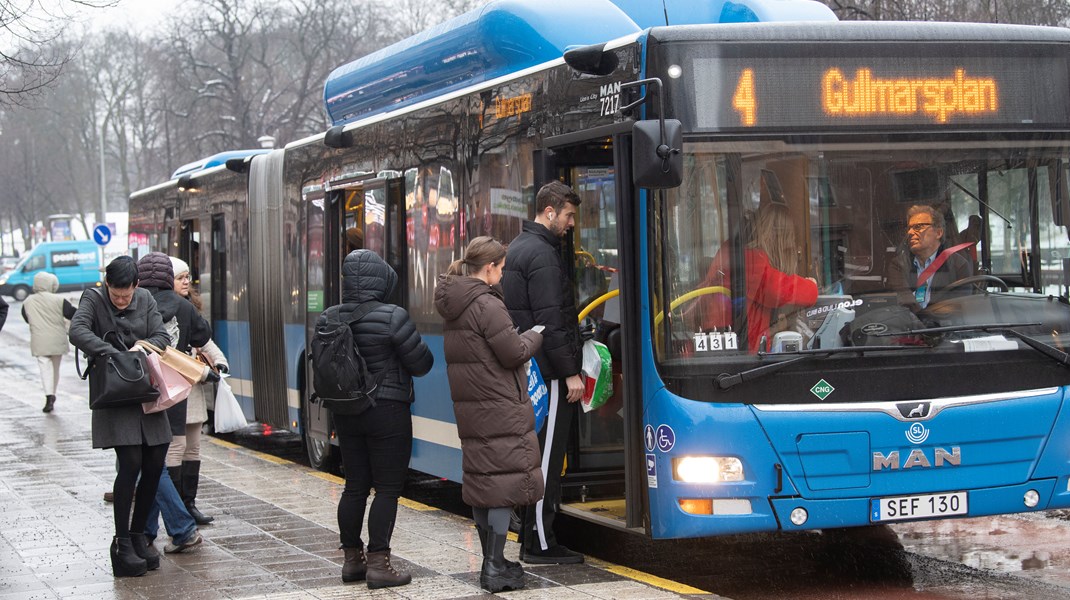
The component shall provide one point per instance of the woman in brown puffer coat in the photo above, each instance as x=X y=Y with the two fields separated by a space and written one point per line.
x=486 y=363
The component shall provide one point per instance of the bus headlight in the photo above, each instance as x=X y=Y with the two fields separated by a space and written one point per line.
x=707 y=469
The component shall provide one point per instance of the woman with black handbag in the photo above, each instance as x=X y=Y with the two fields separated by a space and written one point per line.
x=107 y=323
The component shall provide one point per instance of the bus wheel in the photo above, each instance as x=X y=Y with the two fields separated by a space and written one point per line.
x=20 y=293
x=322 y=455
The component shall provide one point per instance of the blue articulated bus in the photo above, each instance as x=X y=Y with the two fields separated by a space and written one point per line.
x=827 y=392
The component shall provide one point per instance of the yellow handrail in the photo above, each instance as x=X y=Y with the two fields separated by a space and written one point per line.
x=598 y=302
x=716 y=289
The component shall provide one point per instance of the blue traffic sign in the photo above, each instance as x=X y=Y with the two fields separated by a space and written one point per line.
x=102 y=235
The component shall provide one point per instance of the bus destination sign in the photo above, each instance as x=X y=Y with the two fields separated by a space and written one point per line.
x=763 y=93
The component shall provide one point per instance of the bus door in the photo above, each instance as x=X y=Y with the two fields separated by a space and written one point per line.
x=598 y=468
x=368 y=215
x=189 y=243
x=217 y=298
x=361 y=214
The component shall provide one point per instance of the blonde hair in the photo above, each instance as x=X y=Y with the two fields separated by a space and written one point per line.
x=481 y=251
x=774 y=234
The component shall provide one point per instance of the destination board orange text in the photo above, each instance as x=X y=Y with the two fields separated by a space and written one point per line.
x=508 y=107
x=866 y=95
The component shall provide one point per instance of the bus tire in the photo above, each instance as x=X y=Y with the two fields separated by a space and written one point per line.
x=322 y=455
x=20 y=293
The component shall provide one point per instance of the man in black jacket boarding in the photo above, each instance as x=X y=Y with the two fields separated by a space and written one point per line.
x=539 y=292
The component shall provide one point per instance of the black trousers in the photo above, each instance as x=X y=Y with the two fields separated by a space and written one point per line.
x=537 y=522
x=376 y=446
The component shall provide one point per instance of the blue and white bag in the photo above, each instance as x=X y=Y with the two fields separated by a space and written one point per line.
x=538 y=393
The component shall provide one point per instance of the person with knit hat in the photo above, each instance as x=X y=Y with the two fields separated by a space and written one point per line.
x=188 y=451
x=187 y=329
x=47 y=314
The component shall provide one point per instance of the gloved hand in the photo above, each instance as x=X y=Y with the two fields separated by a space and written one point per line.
x=222 y=368
x=212 y=376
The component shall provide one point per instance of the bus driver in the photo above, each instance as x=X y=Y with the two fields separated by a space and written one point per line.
x=928 y=266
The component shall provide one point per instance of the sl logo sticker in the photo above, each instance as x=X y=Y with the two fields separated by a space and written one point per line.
x=822 y=389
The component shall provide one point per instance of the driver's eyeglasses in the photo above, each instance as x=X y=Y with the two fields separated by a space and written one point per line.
x=185 y=277
x=919 y=227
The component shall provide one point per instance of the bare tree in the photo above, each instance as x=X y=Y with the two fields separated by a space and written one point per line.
x=29 y=61
x=1024 y=12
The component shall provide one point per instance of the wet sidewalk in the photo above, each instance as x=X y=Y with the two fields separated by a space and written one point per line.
x=275 y=533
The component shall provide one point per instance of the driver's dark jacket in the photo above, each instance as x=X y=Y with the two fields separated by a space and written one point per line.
x=903 y=277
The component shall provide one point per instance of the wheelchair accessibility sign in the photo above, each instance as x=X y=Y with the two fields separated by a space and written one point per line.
x=664 y=438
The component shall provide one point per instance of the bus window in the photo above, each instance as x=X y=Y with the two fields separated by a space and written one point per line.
x=353 y=221
x=843 y=247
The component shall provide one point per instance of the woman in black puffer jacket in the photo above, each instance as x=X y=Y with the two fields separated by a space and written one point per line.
x=377 y=443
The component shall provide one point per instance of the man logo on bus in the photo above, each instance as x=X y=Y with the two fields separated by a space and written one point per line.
x=914 y=410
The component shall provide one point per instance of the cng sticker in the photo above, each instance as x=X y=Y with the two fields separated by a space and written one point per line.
x=822 y=389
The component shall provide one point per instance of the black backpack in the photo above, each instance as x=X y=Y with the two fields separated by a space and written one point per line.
x=339 y=373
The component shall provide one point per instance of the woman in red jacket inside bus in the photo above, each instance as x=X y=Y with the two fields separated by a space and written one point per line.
x=772 y=264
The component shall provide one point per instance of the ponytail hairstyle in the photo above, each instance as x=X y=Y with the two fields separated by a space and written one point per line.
x=481 y=251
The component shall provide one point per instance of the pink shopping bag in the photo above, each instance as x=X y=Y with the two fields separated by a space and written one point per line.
x=173 y=387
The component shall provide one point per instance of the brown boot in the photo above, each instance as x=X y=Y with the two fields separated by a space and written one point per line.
x=381 y=574
x=355 y=567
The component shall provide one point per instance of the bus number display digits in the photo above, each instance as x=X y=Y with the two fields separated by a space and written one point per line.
x=744 y=100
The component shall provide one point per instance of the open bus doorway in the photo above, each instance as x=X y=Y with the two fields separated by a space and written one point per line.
x=353 y=215
x=597 y=468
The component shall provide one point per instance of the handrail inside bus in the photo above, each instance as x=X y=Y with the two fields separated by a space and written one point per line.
x=715 y=289
x=598 y=302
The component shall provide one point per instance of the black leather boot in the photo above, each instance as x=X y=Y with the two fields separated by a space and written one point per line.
x=496 y=575
x=355 y=568
x=50 y=401
x=191 y=476
x=484 y=535
x=144 y=549
x=124 y=561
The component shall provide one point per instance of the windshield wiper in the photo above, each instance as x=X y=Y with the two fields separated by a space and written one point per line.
x=1046 y=349
x=726 y=380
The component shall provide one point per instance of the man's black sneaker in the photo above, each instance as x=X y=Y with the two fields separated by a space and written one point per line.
x=555 y=555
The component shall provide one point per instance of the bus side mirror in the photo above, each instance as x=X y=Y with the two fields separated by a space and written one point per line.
x=656 y=159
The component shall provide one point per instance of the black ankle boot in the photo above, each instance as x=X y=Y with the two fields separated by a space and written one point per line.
x=496 y=575
x=124 y=561
x=191 y=476
x=146 y=550
x=50 y=401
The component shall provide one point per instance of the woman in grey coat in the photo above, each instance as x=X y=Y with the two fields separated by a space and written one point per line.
x=140 y=440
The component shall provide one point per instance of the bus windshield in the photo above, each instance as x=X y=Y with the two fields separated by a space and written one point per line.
x=774 y=248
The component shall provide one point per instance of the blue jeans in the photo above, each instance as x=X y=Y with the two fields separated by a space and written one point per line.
x=180 y=526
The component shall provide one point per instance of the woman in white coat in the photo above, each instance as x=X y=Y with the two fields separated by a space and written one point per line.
x=187 y=476
x=48 y=315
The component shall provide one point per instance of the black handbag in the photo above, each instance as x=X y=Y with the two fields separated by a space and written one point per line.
x=119 y=378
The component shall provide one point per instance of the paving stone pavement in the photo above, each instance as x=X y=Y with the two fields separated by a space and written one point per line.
x=275 y=533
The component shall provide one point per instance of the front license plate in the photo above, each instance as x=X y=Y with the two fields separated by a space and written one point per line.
x=918 y=507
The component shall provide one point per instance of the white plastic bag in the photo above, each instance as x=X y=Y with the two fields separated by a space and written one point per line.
x=228 y=414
